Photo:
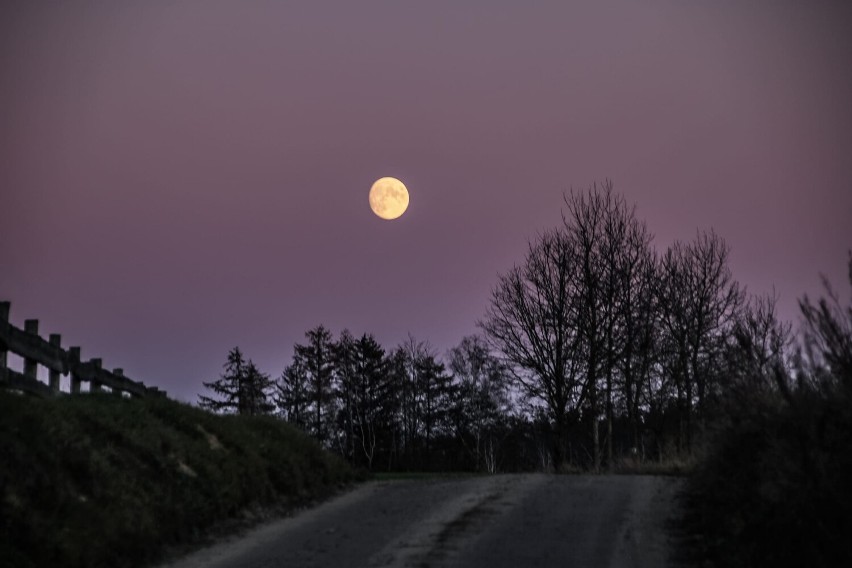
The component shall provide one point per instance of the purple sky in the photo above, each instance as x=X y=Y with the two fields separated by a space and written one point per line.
x=177 y=178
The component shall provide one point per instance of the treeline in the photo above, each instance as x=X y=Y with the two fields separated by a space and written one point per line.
x=597 y=351
x=398 y=409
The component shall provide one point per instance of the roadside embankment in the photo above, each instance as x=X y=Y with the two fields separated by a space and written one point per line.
x=100 y=480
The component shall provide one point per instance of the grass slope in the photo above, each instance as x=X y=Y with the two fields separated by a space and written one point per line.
x=103 y=481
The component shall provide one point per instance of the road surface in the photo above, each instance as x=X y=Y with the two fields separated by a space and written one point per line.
x=498 y=521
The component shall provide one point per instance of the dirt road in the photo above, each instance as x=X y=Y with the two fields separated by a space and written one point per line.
x=499 y=521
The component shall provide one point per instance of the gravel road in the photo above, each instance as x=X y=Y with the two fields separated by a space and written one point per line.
x=498 y=521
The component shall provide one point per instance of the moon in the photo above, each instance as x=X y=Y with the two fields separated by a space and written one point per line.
x=388 y=198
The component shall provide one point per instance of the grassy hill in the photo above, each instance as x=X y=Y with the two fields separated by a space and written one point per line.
x=99 y=480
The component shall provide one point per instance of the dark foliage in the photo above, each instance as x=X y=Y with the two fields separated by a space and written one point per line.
x=774 y=488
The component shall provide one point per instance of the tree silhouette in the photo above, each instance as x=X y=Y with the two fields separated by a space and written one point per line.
x=612 y=249
x=241 y=389
x=291 y=395
x=482 y=407
x=362 y=390
x=699 y=301
x=315 y=361
x=532 y=321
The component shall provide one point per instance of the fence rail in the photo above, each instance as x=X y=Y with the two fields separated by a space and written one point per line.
x=35 y=351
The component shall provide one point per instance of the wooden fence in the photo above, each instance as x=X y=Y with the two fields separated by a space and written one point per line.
x=37 y=351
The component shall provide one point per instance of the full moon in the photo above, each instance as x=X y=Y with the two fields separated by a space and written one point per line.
x=388 y=198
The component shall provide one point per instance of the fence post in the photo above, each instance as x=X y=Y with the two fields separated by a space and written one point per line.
x=31 y=365
x=56 y=340
x=74 y=360
x=4 y=318
x=118 y=372
x=95 y=386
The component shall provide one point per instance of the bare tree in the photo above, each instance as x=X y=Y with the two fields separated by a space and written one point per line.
x=637 y=311
x=699 y=301
x=756 y=357
x=422 y=391
x=613 y=249
x=483 y=401
x=531 y=321
x=827 y=338
x=584 y=223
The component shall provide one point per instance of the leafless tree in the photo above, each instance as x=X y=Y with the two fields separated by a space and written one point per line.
x=613 y=248
x=698 y=301
x=756 y=361
x=827 y=338
x=531 y=320
x=483 y=400
x=584 y=223
x=639 y=322
x=422 y=393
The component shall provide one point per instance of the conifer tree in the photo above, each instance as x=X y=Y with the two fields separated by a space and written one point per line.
x=292 y=395
x=241 y=389
x=255 y=398
x=362 y=390
x=316 y=361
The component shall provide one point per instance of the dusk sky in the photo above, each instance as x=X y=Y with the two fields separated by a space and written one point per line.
x=177 y=178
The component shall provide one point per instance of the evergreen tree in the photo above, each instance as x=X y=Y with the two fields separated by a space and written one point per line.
x=345 y=380
x=435 y=395
x=316 y=361
x=399 y=410
x=291 y=395
x=255 y=398
x=361 y=386
x=241 y=389
x=373 y=401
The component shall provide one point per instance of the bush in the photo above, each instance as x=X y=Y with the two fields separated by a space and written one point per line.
x=774 y=488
